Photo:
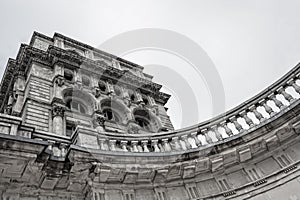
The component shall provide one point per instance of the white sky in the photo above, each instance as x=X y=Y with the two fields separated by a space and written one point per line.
x=251 y=42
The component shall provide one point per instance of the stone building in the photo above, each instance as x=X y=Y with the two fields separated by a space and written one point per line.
x=80 y=123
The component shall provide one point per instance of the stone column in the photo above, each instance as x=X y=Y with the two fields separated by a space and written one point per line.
x=18 y=93
x=57 y=119
x=58 y=82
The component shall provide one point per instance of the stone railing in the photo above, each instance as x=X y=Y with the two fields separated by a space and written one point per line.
x=245 y=118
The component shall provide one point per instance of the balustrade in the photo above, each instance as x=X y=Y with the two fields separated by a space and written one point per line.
x=260 y=107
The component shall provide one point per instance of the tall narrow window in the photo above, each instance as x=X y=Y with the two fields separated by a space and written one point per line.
x=68 y=74
x=70 y=128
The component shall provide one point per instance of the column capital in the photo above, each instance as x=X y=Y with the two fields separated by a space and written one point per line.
x=58 y=110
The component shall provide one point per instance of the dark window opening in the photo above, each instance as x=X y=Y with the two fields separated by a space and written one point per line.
x=102 y=86
x=132 y=97
x=70 y=128
x=145 y=100
x=68 y=75
x=110 y=115
x=143 y=123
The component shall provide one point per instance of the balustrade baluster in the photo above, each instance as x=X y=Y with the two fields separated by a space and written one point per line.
x=228 y=131
x=295 y=86
x=236 y=124
x=268 y=109
x=286 y=95
x=124 y=146
x=101 y=144
x=166 y=145
x=112 y=145
x=145 y=147
x=196 y=139
x=207 y=137
x=161 y=147
x=278 y=103
x=134 y=146
x=257 y=114
x=248 y=120
x=217 y=133
x=155 y=145
x=186 y=141
x=177 y=146
x=140 y=148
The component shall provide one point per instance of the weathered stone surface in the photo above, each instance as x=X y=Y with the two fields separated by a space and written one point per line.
x=51 y=147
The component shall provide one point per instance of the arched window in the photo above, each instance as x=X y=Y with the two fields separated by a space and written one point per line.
x=115 y=110
x=143 y=119
x=145 y=124
x=102 y=86
x=68 y=74
x=76 y=106
x=111 y=115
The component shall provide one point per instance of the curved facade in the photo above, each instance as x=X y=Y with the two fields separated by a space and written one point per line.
x=79 y=123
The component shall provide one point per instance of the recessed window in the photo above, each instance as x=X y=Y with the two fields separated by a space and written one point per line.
x=102 y=86
x=70 y=128
x=68 y=75
x=132 y=97
x=143 y=123
x=145 y=100
x=111 y=115
x=76 y=106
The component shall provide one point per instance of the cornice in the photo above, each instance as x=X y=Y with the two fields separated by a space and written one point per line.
x=81 y=44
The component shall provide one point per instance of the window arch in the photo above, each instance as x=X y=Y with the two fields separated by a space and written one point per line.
x=144 y=123
x=111 y=115
x=115 y=110
x=68 y=74
x=76 y=106
x=147 y=120
x=78 y=101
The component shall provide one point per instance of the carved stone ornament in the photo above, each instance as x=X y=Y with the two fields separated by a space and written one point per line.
x=60 y=81
x=133 y=128
x=98 y=120
x=96 y=92
x=58 y=110
x=8 y=110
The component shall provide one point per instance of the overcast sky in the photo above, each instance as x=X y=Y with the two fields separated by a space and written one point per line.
x=251 y=42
